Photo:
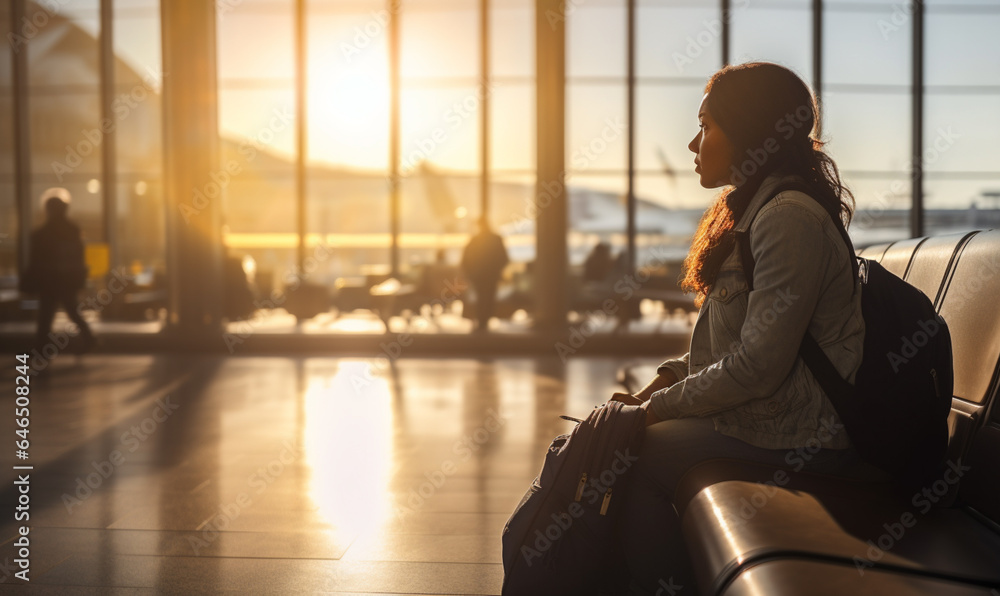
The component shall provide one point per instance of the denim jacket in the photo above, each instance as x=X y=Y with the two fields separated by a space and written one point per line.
x=743 y=367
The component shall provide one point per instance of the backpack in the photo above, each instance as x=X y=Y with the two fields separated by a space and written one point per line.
x=561 y=537
x=896 y=413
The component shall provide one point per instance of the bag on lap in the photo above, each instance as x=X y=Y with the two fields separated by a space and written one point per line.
x=896 y=413
x=560 y=539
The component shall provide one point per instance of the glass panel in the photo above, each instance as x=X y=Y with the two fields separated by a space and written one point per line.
x=596 y=212
x=667 y=215
x=348 y=97
x=439 y=213
x=139 y=132
x=513 y=210
x=256 y=41
x=853 y=4
x=512 y=127
x=595 y=39
x=666 y=121
x=348 y=143
x=440 y=126
x=595 y=127
x=141 y=232
x=961 y=132
x=8 y=233
x=774 y=35
x=882 y=213
x=64 y=108
x=8 y=201
x=857 y=50
x=678 y=193
x=512 y=38
x=868 y=131
x=349 y=212
x=137 y=39
x=261 y=203
x=962 y=49
x=678 y=41
x=258 y=126
x=937 y=5
x=6 y=106
x=597 y=241
x=960 y=204
x=439 y=39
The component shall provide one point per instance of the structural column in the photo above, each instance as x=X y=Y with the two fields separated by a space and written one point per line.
x=22 y=140
x=109 y=157
x=550 y=198
x=917 y=149
x=194 y=179
x=394 y=143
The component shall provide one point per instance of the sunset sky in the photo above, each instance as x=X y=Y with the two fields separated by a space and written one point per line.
x=866 y=96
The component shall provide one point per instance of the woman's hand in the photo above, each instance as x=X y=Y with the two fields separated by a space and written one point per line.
x=631 y=400
x=627 y=399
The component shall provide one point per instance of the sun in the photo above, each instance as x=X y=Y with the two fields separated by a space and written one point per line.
x=348 y=109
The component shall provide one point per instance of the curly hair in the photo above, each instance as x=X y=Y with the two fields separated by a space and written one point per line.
x=771 y=118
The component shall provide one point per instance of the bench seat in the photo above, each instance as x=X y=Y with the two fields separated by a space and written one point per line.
x=813 y=535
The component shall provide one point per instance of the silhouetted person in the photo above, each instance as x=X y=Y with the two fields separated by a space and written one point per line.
x=599 y=263
x=483 y=260
x=57 y=270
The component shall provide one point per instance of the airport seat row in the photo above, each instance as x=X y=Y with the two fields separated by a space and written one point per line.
x=806 y=534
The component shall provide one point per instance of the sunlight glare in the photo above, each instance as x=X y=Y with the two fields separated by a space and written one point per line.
x=349 y=445
x=349 y=113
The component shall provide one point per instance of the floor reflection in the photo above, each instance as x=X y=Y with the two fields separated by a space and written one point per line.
x=288 y=475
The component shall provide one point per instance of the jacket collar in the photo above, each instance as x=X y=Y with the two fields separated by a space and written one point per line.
x=764 y=192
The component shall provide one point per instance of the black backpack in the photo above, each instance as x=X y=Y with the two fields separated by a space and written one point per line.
x=561 y=537
x=896 y=413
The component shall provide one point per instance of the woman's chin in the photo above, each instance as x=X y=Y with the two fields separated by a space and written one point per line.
x=705 y=183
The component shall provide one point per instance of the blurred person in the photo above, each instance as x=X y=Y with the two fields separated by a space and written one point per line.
x=742 y=392
x=57 y=270
x=599 y=264
x=483 y=261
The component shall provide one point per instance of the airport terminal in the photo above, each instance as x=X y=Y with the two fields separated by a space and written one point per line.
x=500 y=297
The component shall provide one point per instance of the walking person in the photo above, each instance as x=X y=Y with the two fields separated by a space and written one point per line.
x=483 y=261
x=742 y=391
x=57 y=270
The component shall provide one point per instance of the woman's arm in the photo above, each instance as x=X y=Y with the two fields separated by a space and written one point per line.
x=791 y=247
x=664 y=378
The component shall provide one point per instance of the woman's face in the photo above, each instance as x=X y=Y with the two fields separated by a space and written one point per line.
x=712 y=150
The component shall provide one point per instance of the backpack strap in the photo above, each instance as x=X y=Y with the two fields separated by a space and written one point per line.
x=743 y=237
x=835 y=387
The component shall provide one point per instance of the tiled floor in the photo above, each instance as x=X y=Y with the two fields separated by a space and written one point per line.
x=204 y=474
x=654 y=319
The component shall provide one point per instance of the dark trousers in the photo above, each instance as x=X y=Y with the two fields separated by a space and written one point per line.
x=486 y=300
x=48 y=302
x=650 y=529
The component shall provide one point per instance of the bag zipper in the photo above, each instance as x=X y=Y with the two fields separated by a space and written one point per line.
x=607 y=501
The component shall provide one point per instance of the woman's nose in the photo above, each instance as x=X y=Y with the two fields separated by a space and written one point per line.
x=693 y=145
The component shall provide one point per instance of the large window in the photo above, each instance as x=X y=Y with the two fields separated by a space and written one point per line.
x=8 y=205
x=961 y=117
x=596 y=135
x=257 y=129
x=348 y=137
x=64 y=102
x=867 y=96
x=678 y=46
x=460 y=128
x=139 y=134
x=442 y=97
